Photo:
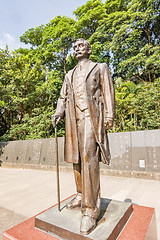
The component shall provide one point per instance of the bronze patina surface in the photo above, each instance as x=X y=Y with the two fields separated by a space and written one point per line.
x=87 y=102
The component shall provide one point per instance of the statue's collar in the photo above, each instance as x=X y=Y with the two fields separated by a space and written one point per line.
x=89 y=65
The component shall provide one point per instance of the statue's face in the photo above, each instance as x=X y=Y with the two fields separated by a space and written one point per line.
x=80 y=50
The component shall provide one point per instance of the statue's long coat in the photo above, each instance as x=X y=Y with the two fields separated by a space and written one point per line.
x=100 y=101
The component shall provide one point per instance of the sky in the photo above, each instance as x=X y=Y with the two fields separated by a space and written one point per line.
x=17 y=16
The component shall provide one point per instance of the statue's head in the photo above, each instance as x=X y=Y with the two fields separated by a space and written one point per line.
x=82 y=49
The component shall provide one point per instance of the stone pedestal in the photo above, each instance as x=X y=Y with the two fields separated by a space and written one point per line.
x=141 y=224
x=66 y=223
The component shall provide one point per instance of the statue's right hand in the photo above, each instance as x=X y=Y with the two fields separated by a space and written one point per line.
x=55 y=120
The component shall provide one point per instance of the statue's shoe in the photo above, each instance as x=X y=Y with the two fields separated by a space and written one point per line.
x=88 y=224
x=75 y=203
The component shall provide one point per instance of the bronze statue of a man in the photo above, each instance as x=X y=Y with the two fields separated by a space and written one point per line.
x=87 y=102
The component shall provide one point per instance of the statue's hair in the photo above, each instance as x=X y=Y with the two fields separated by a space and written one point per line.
x=85 y=43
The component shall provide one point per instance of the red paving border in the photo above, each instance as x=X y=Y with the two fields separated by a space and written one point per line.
x=138 y=225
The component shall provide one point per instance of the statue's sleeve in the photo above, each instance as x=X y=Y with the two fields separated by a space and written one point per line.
x=61 y=103
x=107 y=93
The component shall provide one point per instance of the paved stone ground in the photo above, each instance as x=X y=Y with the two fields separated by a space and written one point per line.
x=9 y=219
x=26 y=192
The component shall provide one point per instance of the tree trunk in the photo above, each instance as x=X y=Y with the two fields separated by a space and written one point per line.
x=21 y=111
x=64 y=61
x=135 y=122
x=148 y=33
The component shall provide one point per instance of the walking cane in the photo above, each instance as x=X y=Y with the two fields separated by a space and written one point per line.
x=57 y=169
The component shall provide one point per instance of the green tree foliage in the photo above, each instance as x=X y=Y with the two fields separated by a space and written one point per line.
x=51 y=43
x=88 y=18
x=4 y=56
x=137 y=106
x=59 y=35
x=129 y=33
x=28 y=99
x=33 y=36
x=124 y=34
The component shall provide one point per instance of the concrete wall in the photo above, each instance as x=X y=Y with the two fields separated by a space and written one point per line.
x=131 y=151
x=135 y=151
